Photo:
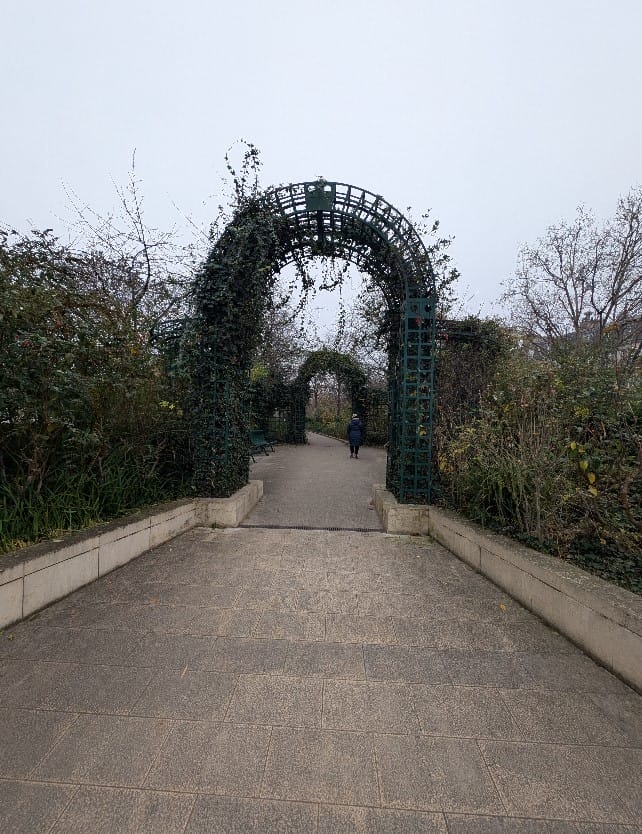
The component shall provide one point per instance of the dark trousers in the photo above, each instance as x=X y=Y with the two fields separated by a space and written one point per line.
x=354 y=448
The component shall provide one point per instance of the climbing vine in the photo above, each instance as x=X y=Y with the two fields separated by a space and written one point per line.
x=322 y=361
x=236 y=291
x=232 y=294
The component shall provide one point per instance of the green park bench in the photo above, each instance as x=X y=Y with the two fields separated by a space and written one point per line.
x=259 y=443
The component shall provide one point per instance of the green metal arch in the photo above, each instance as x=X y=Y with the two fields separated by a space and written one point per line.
x=233 y=289
x=333 y=219
x=320 y=361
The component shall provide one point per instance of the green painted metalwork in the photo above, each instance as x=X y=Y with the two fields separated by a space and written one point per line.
x=320 y=196
x=298 y=222
x=321 y=361
x=343 y=221
x=168 y=335
x=417 y=400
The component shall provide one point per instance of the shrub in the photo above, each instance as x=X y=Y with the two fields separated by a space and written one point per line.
x=553 y=458
x=90 y=427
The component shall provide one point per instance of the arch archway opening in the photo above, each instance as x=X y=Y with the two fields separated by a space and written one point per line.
x=235 y=290
x=324 y=361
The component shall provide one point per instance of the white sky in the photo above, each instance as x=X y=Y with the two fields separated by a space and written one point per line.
x=500 y=116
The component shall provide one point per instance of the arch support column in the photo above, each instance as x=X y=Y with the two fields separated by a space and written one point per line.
x=409 y=472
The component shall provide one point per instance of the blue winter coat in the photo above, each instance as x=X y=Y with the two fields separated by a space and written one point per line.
x=355 y=431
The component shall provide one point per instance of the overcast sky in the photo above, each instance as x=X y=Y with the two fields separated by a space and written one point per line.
x=501 y=116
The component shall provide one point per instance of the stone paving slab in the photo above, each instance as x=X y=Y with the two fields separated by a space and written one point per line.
x=135 y=712
x=124 y=811
x=274 y=680
x=322 y=467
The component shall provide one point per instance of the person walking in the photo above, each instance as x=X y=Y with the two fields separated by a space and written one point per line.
x=355 y=435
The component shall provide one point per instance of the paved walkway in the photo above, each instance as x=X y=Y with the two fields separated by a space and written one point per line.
x=319 y=485
x=304 y=681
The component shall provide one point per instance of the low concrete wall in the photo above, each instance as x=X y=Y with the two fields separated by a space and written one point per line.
x=38 y=575
x=410 y=519
x=599 y=617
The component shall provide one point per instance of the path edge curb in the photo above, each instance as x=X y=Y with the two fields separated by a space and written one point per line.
x=602 y=619
x=35 y=576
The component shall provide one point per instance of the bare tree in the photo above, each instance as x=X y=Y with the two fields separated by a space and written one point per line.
x=582 y=281
x=147 y=270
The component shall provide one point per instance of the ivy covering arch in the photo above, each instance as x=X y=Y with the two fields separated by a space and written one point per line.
x=234 y=291
x=322 y=361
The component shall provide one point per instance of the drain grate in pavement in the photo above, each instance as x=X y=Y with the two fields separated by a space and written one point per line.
x=312 y=527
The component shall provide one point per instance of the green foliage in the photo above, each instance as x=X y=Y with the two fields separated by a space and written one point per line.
x=236 y=293
x=268 y=393
x=323 y=361
x=469 y=353
x=506 y=463
x=576 y=299
x=84 y=434
x=232 y=295
x=552 y=455
x=609 y=560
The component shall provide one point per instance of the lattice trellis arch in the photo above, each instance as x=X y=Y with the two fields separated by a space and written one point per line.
x=300 y=222
x=324 y=361
x=340 y=220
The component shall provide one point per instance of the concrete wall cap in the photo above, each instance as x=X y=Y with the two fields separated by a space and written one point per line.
x=603 y=597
